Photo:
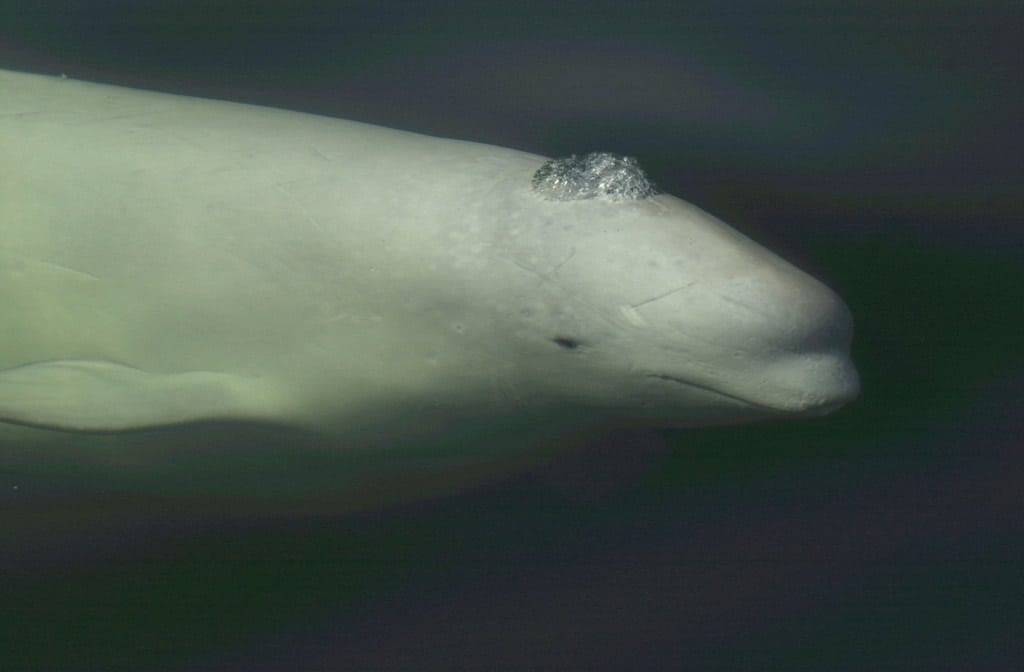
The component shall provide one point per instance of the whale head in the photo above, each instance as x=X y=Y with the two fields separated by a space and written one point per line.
x=613 y=297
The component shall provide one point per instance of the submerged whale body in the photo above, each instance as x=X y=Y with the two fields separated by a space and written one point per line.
x=378 y=302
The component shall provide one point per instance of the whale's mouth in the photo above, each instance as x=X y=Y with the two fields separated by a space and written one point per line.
x=707 y=388
x=802 y=405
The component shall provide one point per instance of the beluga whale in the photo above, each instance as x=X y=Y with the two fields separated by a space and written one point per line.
x=201 y=296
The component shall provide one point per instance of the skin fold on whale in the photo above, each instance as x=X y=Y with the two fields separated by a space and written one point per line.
x=373 y=301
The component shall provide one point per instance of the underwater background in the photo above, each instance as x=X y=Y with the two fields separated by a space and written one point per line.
x=875 y=144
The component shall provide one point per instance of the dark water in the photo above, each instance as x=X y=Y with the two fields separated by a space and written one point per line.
x=875 y=144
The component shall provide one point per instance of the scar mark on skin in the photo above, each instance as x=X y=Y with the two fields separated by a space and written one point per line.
x=563 y=262
x=752 y=307
x=663 y=295
x=68 y=270
x=298 y=204
x=546 y=275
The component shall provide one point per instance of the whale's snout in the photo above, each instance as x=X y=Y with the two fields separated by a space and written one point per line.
x=788 y=340
x=780 y=345
x=804 y=356
x=747 y=325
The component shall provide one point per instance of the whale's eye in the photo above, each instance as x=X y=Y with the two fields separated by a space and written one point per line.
x=595 y=175
x=566 y=342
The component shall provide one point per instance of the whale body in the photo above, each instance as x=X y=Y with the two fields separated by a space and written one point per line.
x=375 y=301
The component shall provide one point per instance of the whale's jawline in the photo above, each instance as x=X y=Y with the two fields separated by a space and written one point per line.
x=805 y=409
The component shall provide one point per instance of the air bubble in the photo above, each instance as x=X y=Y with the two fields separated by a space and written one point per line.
x=595 y=175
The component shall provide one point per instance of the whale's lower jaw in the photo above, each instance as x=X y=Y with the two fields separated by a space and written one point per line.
x=809 y=402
